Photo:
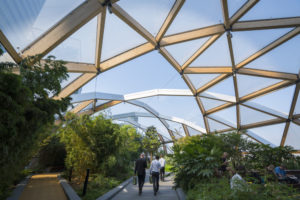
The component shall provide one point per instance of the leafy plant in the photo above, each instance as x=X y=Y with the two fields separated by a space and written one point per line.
x=26 y=111
x=151 y=142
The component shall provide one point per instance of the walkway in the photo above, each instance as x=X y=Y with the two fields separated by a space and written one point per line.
x=43 y=187
x=165 y=191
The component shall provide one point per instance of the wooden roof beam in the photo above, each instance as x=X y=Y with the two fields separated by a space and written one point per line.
x=130 y=21
x=64 y=28
x=242 y=11
x=266 y=90
x=207 y=44
x=81 y=106
x=269 y=47
x=266 y=24
x=168 y=21
x=193 y=34
x=208 y=70
x=75 y=85
x=9 y=48
x=268 y=74
x=126 y=56
x=99 y=40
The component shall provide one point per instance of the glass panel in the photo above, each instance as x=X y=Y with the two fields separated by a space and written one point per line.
x=293 y=136
x=297 y=107
x=196 y=14
x=248 y=138
x=193 y=131
x=249 y=116
x=216 y=55
x=6 y=57
x=249 y=84
x=149 y=13
x=275 y=100
x=118 y=37
x=183 y=51
x=122 y=108
x=284 y=58
x=176 y=106
x=147 y=72
x=100 y=102
x=169 y=148
x=198 y=80
x=228 y=114
x=275 y=9
x=234 y=5
x=224 y=87
x=211 y=103
x=176 y=128
x=80 y=46
x=89 y=107
x=272 y=133
x=246 y=43
x=25 y=20
x=216 y=126
x=72 y=77
x=147 y=122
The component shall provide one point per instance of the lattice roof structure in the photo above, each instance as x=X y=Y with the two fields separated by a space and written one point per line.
x=191 y=65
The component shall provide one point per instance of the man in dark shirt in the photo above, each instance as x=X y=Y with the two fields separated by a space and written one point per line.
x=140 y=166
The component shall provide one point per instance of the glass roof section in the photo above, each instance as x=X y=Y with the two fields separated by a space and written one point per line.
x=280 y=9
x=210 y=58
x=177 y=65
x=26 y=20
x=196 y=14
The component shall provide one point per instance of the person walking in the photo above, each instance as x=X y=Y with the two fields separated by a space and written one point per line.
x=162 y=162
x=154 y=171
x=140 y=171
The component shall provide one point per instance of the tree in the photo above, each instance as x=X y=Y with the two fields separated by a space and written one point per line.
x=89 y=142
x=151 y=141
x=26 y=111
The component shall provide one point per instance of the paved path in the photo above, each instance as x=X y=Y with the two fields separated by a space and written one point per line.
x=165 y=191
x=43 y=187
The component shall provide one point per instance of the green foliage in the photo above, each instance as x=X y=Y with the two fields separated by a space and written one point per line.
x=97 y=186
x=259 y=156
x=26 y=112
x=151 y=141
x=129 y=148
x=195 y=158
x=198 y=158
x=52 y=152
x=89 y=142
x=219 y=189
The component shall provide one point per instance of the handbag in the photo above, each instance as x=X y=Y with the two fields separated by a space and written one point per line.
x=150 y=179
x=134 y=180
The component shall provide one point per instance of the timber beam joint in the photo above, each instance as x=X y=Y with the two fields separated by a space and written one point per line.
x=108 y=4
x=98 y=71
x=181 y=72
x=228 y=30
x=157 y=46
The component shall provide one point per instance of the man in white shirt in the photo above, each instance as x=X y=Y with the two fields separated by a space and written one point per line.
x=154 y=171
x=162 y=162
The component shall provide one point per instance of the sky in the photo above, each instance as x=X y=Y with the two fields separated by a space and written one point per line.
x=22 y=21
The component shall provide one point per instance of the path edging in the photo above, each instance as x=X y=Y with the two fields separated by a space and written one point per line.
x=110 y=194
x=180 y=194
x=19 y=189
x=69 y=191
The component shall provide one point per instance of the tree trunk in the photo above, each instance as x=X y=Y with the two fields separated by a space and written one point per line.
x=151 y=156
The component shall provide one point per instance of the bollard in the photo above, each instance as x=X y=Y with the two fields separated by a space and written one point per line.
x=86 y=182
x=70 y=174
